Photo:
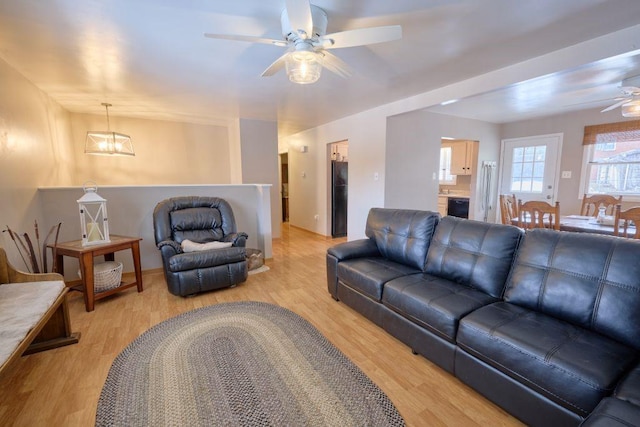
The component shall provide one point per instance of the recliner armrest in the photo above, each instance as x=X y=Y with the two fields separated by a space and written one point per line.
x=170 y=244
x=355 y=249
x=238 y=239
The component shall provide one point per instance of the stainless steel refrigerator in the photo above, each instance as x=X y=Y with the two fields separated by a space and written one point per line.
x=339 y=192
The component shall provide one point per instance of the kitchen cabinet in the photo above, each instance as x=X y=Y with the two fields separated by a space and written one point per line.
x=442 y=205
x=464 y=156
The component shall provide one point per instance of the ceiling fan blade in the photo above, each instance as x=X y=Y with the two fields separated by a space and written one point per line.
x=616 y=105
x=250 y=39
x=630 y=90
x=335 y=65
x=299 y=12
x=361 y=36
x=277 y=65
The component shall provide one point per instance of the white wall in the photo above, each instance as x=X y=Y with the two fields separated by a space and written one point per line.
x=366 y=133
x=308 y=194
x=259 y=153
x=412 y=156
x=166 y=152
x=131 y=208
x=34 y=151
x=572 y=127
x=42 y=145
x=413 y=153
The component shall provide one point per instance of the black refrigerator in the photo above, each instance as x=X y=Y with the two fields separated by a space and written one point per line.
x=339 y=192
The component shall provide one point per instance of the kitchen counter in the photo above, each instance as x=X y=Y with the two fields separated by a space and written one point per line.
x=463 y=194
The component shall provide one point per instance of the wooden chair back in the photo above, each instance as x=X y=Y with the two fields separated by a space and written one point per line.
x=626 y=219
x=537 y=214
x=508 y=208
x=591 y=204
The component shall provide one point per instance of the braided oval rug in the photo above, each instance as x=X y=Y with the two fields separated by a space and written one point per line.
x=239 y=364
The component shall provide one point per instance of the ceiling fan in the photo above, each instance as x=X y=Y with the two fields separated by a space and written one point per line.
x=630 y=102
x=304 y=27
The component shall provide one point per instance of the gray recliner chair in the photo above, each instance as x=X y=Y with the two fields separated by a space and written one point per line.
x=199 y=220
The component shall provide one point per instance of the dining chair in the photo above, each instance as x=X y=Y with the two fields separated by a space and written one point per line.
x=508 y=208
x=625 y=220
x=538 y=214
x=591 y=204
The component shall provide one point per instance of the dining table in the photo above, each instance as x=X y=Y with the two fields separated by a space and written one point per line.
x=588 y=224
x=585 y=224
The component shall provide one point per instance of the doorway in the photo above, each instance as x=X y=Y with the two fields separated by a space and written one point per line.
x=530 y=167
x=339 y=187
x=284 y=187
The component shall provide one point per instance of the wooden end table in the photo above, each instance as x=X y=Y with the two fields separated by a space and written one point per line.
x=85 y=255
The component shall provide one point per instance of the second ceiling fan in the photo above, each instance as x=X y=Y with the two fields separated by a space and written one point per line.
x=304 y=29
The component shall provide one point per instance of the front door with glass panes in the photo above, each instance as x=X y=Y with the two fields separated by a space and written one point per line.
x=530 y=167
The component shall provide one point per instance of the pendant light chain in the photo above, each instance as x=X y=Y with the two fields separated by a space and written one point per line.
x=106 y=106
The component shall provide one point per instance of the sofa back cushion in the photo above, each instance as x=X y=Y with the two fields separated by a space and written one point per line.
x=402 y=235
x=590 y=280
x=473 y=253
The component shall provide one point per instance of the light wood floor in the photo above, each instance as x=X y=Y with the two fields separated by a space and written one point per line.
x=61 y=387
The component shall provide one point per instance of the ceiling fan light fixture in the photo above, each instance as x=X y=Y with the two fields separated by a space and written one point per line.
x=303 y=66
x=631 y=109
x=108 y=142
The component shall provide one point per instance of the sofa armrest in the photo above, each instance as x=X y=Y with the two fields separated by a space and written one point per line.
x=355 y=249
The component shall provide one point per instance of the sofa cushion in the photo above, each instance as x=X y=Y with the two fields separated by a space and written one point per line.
x=590 y=280
x=206 y=259
x=402 y=235
x=570 y=365
x=612 y=412
x=432 y=302
x=368 y=275
x=22 y=305
x=473 y=253
x=629 y=388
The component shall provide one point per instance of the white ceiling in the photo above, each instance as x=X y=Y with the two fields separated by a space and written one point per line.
x=149 y=58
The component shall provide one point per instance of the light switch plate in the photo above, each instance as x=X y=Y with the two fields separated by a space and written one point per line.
x=566 y=174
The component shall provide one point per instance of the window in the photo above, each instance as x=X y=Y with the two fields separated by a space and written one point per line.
x=527 y=174
x=613 y=159
x=614 y=172
x=445 y=176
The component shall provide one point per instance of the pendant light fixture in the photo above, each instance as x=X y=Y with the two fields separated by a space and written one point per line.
x=108 y=142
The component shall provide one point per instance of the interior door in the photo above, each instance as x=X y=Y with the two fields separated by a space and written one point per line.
x=530 y=167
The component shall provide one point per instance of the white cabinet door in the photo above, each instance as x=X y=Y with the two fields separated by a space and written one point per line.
x=462 y=157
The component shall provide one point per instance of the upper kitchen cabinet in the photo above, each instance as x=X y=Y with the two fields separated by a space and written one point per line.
x=464 y=157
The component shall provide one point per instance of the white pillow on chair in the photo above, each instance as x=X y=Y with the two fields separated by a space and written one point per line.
x=189 y=246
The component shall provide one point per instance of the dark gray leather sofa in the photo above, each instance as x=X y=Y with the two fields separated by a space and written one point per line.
x=546 y=324
x=201 y=220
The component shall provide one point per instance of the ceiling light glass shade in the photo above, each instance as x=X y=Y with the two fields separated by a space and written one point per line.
x=106 y=142
x=303 y=67
x=631 y=109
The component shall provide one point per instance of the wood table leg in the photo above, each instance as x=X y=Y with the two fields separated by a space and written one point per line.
x=135 y=250
x=59 y=268
x=86 y=267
